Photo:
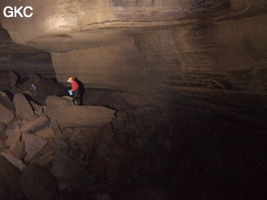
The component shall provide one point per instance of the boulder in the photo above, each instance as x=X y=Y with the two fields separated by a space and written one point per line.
x=35 y=78
x=10 y=180
x=33 y=144
x=58 y=101
x=95 y=141
x=45 y=159
x=75 y=116
x=46 y=150
x=16 y=149
x=33 y=126
x=14 y=160
x=2 y=144
x=37 y=183
x=6 y=115
x=70 y=175
x=61 y=145
x=13 y=78
x=13 y=135
x=23 y=107
x=16 y=121
x=7 y=109
x=36 y=108
x=2 y=127
x=46 y=133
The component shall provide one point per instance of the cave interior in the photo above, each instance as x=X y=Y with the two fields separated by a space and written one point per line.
x=187 y=80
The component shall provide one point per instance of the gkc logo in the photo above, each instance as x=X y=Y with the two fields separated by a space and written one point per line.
x=20 y=11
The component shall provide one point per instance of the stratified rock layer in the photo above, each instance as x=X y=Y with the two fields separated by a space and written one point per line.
x=22 y=58
x=152 y=49
x=134 y=45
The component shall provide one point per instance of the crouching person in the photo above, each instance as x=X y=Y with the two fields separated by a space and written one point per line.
x=34 y=89
x=74 y=90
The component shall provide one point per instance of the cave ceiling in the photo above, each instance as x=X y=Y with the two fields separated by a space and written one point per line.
x=67 y=25
x=96 y=39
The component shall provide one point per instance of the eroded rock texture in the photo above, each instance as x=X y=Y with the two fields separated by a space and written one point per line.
x=132 y=44
x=188 y=82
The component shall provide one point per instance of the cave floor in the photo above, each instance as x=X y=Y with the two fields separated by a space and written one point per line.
x=196 y=145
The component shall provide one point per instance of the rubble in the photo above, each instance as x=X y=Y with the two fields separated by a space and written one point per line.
x=15 y=161
x=33 y=126
x=23 y=107
x=10 y=180
x=7 y=109
x=13 y=136
x=46 y=189
x=70 y=175
x=33 y=144
x=36 y=155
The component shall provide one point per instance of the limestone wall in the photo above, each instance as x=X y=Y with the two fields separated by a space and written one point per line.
x=141 y=44
x=23 y=59
x=223 y=54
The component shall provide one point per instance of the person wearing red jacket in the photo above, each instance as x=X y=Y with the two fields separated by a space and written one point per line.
x=74 y=90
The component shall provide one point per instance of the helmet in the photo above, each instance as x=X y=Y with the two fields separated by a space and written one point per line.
x=70 y=79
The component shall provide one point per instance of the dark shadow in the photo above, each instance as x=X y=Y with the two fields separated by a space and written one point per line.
x=81 y=90
x=9 y=94
x=28 y=97
x=18 y=77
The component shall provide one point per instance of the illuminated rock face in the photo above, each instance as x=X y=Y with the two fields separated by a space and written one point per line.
x=141 y=44
x=187 y=79
x=23 y=59
x=68 y=25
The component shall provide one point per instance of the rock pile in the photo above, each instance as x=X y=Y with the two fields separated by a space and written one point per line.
x=11 y=84
x=45 y=151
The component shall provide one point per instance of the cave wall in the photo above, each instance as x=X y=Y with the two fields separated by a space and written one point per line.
x=223 y=55
x=23 y=59
x=148 y=45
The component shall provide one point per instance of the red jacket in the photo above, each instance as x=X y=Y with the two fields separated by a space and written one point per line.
x=74 y=86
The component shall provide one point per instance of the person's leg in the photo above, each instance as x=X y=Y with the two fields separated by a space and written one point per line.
x=75 y=97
